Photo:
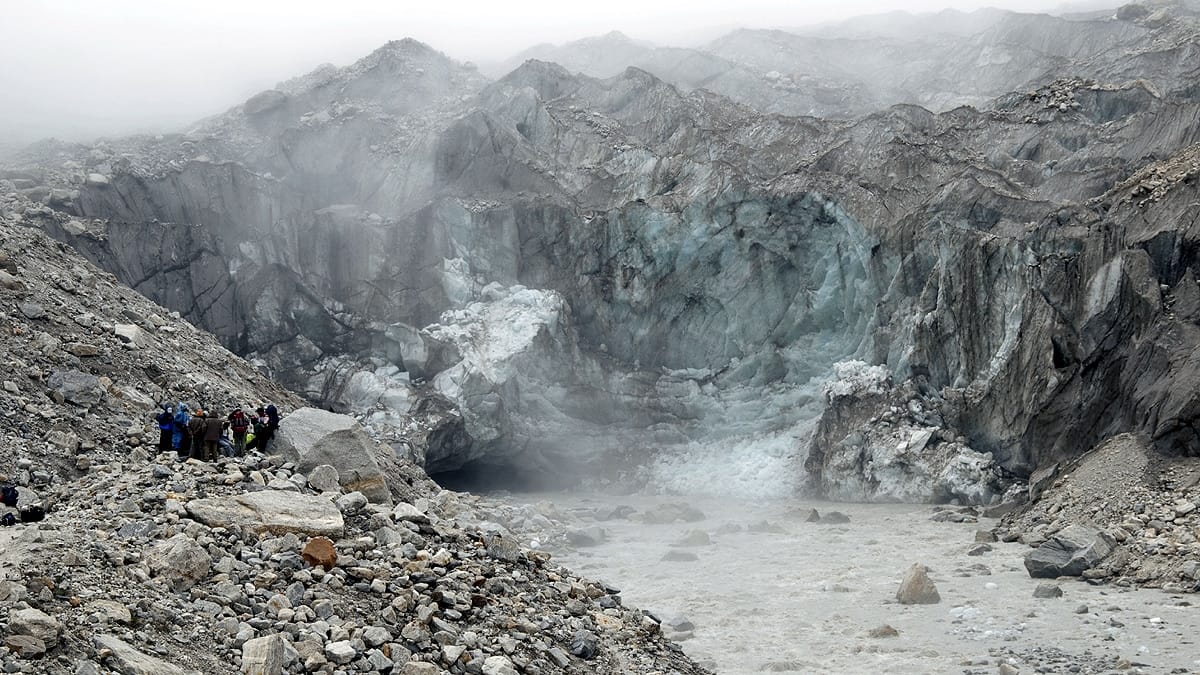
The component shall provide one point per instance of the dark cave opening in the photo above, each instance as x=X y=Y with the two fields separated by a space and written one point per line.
x=482 y=477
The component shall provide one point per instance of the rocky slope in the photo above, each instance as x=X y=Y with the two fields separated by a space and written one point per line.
x=938 y=61
x=331 y=555
x=597 y=269
x=1152 y=519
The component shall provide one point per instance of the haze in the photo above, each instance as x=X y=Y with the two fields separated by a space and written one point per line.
x=77 y=69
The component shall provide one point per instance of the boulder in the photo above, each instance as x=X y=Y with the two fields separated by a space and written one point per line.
x=180 y=561
x=35 y=623
x=498 y=665
x=121 y=657
x=31 y=310
x=130 y=334
x=263 y=656
x=78 y=388
x=587 y=536
x=917 y=588
x=320 y=551
x=324 y=478
x=1070 y=552
x=25 y=646
x=311 y=437
x=264 y=102
x=111 y=610
x=270 y=511
x=1047 y=590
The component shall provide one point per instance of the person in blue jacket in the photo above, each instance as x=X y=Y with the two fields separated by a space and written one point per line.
x=166 y=425
x=181 y=440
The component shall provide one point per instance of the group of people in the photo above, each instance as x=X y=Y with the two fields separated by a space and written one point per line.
x=201 y=434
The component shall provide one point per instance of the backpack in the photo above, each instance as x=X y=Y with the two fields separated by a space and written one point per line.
x=33 y=513
x=238 y=422
x=9 y=495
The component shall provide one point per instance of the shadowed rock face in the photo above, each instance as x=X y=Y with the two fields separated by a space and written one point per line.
x=579 y=265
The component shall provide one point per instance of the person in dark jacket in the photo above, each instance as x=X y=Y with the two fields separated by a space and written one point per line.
x=213 y=426
x=166 y=428
x=196 y=427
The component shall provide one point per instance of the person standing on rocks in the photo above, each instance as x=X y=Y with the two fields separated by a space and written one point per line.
x=213 y=426
x=239 y=423
x=196 y=428
x=181 y=439
x=166 y=427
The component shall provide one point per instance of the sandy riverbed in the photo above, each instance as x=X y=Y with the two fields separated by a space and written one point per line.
x=803 y=599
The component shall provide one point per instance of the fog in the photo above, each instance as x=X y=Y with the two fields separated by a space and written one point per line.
x=76 y=69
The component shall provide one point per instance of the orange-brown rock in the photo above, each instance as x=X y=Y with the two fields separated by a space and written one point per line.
x=320 y=551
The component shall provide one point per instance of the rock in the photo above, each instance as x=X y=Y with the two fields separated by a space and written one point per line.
x=1070 y=552
x=131 y=334
x=985 y=537
x=10 y=283
x=1190 y=570
x=112 y=611
x=1007 y=669
x=501 y=547
x=25 y=646
x=672 y=512
x=263 y=656
x=1047 y=591
x=452 y=653
x=324 y=478
x=585 y=645
x=979 y=549
x=917 y=588
x=77 y=388
x=180 y=561
x=352 y=502
x=420 y=668
x=83 y=349
x=264 y=102
x=694 y=538
x=320 y=551
x=498 y=665
x=312 y=437
x=31 y=310
x=375 y=636
x=834 y=518
x=35 y=623
x=405 y=512
x=588 y=536
x=680 y=556
x=270 y=511
x=126 y=660
x=340 y=652
x=97 y=180
x=884 y=631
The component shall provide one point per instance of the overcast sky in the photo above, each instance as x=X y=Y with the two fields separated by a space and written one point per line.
x=78 y=68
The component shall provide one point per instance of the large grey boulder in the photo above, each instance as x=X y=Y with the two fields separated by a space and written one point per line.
x=1070 y=552
x=264 y=656
x=917 y=588
x=35 y=623
x=180 y=560
x=311 y=437
x=270 y=511
x=82 y=389
x=122 y=658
